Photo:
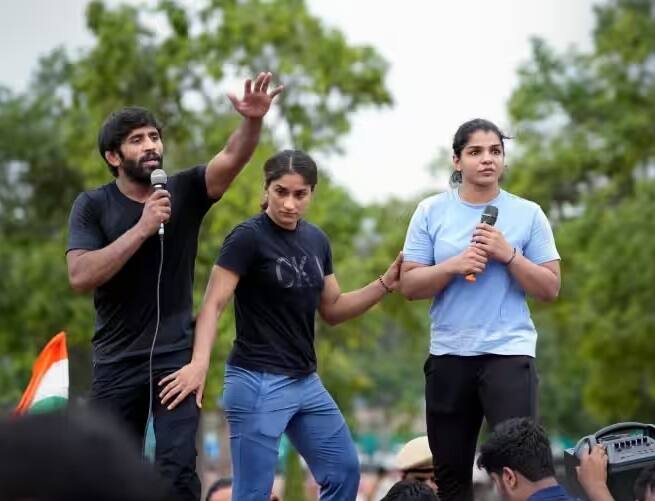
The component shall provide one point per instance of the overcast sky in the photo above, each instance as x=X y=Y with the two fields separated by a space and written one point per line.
x=450 y=60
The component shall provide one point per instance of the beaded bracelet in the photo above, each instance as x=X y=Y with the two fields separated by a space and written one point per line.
x=384 y=285
x=511 y=258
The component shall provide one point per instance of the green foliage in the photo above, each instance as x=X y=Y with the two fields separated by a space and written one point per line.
x=325 y=77
x=294 y=484
x=586 y=154
x=178 y=62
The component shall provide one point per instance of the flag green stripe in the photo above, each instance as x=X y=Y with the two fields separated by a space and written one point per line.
x=48 y=404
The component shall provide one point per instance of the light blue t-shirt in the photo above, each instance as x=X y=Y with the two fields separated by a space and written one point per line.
x=489 y=315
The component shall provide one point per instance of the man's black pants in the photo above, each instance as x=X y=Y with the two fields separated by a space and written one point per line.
x=122 y=390
x=459 y=392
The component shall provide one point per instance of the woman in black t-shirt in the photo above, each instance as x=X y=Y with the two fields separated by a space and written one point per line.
x=279 y=268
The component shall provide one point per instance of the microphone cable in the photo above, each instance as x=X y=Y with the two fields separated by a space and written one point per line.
x=154 y=340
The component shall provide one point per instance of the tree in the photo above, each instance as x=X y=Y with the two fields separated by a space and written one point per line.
x=586 y=154
x=180 y=71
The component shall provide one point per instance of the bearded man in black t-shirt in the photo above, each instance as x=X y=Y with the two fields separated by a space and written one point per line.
x=143 y=283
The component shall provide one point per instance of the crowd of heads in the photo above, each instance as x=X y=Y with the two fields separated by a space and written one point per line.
x=75 y=455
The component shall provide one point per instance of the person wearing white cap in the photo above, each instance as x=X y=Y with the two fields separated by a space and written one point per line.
x=414 y=460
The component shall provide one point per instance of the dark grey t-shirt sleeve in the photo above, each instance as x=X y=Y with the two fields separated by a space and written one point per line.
x=327 y=258
x=200 y=186
x=238 y=250
x=84 y=231
x=194 y=187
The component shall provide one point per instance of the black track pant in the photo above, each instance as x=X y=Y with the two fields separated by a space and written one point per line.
x=459 y=392
x=121 y=389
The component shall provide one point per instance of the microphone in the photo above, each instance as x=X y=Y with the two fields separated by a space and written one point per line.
x=489 y=216
x=158 y=180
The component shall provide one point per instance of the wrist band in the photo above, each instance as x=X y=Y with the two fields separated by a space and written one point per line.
x=384 y=285
x=511 y=258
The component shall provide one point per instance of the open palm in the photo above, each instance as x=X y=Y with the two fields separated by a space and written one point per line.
x=256 y=98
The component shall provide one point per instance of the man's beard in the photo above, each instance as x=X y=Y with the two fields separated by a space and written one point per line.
x=137 y=171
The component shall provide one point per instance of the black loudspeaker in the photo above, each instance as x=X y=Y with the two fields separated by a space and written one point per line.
x=630 y=447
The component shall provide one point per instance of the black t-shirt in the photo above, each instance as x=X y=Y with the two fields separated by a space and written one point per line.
x=126 y=307
x=281 y=279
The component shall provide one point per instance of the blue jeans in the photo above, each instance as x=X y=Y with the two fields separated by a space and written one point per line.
x=260 y=407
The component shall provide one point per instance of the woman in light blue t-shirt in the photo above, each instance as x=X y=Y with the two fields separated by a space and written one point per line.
x=482 y=339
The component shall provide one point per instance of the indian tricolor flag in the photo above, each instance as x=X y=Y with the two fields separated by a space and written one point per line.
x=48 y=388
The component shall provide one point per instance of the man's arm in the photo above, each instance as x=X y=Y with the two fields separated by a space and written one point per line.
x=89 y=269
x=592 y=474
x=226 y=165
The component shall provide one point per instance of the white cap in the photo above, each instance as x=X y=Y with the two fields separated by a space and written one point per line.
x=415 y=453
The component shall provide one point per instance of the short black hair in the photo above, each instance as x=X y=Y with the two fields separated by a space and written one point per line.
x=221 y=483
x=410 y=490
x=645 y=480
x=119 y=125
x=74 y=455
x=521 y=445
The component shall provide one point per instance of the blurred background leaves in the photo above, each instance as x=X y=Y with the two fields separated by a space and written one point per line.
x=584 y=150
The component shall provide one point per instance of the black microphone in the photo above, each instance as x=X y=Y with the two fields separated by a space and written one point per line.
x=489 y=216
x=158 y=181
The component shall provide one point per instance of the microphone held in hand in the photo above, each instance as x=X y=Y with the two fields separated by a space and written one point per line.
x=158 y=181
x=489 y=216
